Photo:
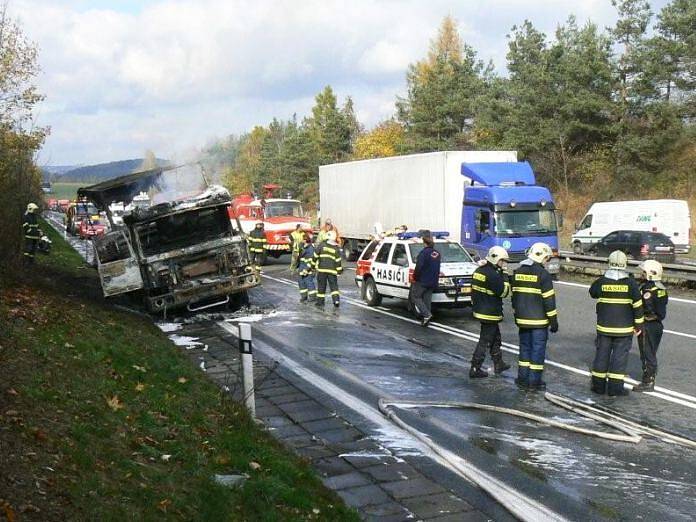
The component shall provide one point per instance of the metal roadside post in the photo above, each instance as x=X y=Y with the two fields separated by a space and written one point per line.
x=247 y=366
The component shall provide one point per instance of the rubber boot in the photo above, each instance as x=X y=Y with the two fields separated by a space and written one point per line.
x=522 y=384
x=477 y=373
x=616 y=388
x=499 y=365
x=647 y=384
x=599 y=385
x=539 y=386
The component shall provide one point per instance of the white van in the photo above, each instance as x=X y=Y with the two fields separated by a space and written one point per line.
x=667 y=216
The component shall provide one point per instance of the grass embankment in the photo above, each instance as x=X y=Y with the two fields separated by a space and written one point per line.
x=65 y=190
x=101 y=418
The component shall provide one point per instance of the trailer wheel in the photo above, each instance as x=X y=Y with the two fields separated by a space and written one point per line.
x=577 y=248
x=372 y=296
x=348 y=251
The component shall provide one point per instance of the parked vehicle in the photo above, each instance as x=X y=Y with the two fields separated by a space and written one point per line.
x=76 y=213
x=91 y=227
x=636 y=244
x=385 y=269
x=667 y=216
x=280 y=216
x=180 y=253
x=502 y=205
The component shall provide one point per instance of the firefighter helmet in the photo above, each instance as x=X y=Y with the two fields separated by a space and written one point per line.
x=652 y=270
x=540 y=252
x=618 y=260
x=32 y=207
x=497 y=253
x=331 y=236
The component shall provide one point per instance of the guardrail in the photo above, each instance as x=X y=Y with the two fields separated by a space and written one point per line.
x=571 y=262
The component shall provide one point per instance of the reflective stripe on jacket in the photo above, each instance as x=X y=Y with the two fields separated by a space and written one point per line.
x=305 y=263
x=31 y=226
x=327 y=259
x=489 y=286
x=619 y=306
x=533 y=296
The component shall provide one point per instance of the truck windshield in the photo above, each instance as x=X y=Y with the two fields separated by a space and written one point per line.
x=450 y=252
x=284 y=208
x=183 y=230
x=516 y=223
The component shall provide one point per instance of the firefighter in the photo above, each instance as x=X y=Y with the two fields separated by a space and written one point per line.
x=489 y=287
x=305 y=270
x=32 y=234
x=327 y=227
x=297 y=243
x=257 y=243
x=327 y=263
x=655 y=309
x=619 y=316
x=534 y=304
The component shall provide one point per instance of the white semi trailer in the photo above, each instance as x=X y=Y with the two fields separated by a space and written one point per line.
x=422 y=191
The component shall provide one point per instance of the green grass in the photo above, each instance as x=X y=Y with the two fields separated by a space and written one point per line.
x=65 y=190
x=100 y=396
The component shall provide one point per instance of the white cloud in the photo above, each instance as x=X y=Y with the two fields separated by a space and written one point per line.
x=170 y=74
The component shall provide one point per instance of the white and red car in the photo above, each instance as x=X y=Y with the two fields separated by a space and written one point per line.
x=386 y=266
x=280 y=217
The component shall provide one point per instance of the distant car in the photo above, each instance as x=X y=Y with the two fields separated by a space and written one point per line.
x=636 y=245
x=89 y=228
x=386 y=266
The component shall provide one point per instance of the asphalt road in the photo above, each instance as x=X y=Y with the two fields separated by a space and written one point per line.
x=382 y=350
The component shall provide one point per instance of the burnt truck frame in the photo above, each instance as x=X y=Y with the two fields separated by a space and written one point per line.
x=185 y=253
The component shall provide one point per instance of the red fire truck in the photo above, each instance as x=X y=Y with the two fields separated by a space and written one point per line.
x=279 y=215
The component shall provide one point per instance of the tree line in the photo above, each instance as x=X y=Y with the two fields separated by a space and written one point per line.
x=601 y=111
x=20 y=139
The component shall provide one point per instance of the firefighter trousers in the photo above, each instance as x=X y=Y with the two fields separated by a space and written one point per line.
x=648 y=343
x=532 y=355
x=257 y=258
x=308 y=290
x=489 y=341
x=609 y=365
x=322 y=280
x=30 y=246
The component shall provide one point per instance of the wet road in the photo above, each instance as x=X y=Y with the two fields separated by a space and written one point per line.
x=383 y=349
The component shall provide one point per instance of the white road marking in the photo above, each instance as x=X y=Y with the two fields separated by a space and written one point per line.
x=580 y=285
x=660 y=392
x=526 y=508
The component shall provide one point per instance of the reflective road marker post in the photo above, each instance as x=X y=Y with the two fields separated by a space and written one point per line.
x=247 y=366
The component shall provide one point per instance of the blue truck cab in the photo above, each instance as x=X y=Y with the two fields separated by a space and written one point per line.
x=504 y=206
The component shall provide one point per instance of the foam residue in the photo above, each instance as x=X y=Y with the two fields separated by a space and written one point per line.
x=183 y=340
x=169 y=327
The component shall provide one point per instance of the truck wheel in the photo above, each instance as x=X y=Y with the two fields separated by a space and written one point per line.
x=372 y=296
x=238 y=300
x=348 y=251
x=577 y=248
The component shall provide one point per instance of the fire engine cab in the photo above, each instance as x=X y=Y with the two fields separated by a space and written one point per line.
x=386 y=266
x=280 y=216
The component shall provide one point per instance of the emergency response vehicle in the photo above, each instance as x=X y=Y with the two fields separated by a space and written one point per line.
x=279 y=216
x=385 y=269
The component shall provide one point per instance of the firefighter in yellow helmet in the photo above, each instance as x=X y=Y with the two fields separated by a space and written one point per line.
x=327 y=263
x=32 y=234
x=534 y=302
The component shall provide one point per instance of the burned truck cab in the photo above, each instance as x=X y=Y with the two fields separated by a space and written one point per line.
x=181 y=253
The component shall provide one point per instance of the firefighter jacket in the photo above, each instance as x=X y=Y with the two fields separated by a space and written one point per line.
x=297 y=238
x=327 y=259
x=31 y=226
x=489 y=286
x=305 y=263
x=257 y=240
x=654 y=300
x=619 y=305
x=533 y=296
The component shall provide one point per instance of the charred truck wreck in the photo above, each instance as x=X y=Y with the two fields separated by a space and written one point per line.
x=183 y=253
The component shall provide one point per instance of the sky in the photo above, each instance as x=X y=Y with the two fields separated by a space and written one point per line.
x=122 y=77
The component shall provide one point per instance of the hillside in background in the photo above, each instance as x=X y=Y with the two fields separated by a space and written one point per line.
x=101 y=172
